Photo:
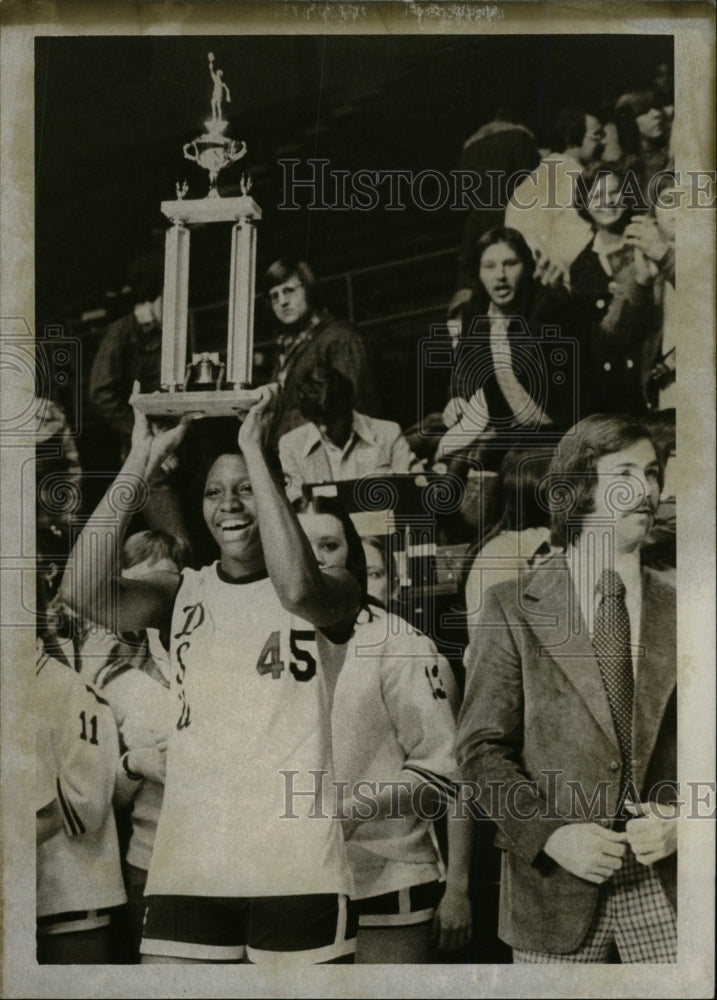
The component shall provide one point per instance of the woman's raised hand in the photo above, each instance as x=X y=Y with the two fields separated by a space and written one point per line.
x=156 y=441
x=254 y=429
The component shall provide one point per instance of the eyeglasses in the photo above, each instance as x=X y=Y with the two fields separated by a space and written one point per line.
x=276 y=293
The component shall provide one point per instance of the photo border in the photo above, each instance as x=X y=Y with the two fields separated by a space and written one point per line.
x=693 y=25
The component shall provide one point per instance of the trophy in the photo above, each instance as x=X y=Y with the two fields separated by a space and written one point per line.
x=205 y=383
x=213 y=150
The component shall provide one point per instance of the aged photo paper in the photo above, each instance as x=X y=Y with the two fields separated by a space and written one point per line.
x=342 y=105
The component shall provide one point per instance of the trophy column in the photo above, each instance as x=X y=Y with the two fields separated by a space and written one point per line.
x=175 y=307
x=234 y=397
x=240 y=343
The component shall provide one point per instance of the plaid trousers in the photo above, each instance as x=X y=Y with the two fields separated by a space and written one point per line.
x=633 y=913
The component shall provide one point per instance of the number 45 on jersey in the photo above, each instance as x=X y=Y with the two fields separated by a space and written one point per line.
x=303 y=662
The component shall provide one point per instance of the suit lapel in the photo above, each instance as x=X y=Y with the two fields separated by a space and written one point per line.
x=656 y=671
x=564 y=639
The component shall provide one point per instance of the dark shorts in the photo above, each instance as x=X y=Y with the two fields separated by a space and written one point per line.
x=414 y=905
x=286 y=930
x=74 y=922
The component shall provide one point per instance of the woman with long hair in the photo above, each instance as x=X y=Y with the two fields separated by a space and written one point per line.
x=613 y=312
x=643 y=131
x=509 y=380
x=393 y=740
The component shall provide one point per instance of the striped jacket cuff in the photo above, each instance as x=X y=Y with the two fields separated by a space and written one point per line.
x=73 y=824
x=447 y=789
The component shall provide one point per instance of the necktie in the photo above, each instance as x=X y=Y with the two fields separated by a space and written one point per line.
x=611 y=641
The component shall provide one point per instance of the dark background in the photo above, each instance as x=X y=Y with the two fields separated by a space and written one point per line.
x=112 y=114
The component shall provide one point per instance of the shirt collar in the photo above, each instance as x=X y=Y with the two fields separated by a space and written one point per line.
x=360 y=428
x=568 y=162
x=603 y=251
x=313 y=439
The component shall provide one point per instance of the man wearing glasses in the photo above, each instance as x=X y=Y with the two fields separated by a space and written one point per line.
x=311 y=336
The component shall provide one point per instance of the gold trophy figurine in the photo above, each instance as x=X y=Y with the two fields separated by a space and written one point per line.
x=219 y=88
x=213 y=151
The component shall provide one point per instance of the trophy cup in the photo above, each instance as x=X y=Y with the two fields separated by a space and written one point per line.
x=213 y=150
x=205 y=383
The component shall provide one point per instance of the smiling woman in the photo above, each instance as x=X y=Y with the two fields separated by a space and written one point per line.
x=614 y=308
x=229 y=509
x=229 y=879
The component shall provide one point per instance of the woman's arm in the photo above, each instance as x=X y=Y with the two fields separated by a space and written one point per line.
x=92 y=585
x=527 y=411
x=452 y=919
x=396 y=799
x=632 y=311
x=136 y=764
x=322 y=597
x=419 y=692
x=48 y=822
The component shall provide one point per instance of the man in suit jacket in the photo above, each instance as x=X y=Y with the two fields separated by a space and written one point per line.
x=578 y=770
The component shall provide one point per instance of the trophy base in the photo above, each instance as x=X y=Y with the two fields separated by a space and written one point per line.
x=188 y=211
x=216 y=403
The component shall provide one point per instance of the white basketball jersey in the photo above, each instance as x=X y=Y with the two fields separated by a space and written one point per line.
x=252 y=731
x=77 y=754
x=393 y=721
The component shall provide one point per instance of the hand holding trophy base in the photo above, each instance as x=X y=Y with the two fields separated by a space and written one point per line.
x=214 y=403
